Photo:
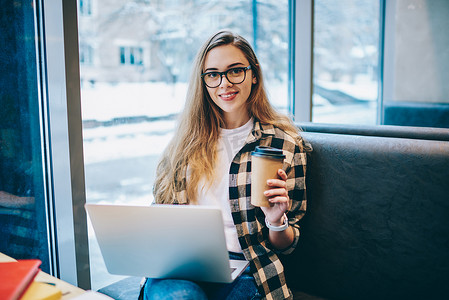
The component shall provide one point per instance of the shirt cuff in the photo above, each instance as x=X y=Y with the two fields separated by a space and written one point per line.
x=293 y=245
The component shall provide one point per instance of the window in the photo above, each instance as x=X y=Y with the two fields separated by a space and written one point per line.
x=129 y=113
x=416 y=64
x=86 y=54
x=85 y=7
x=345 y=61
x=23 y=203
x=131 y=55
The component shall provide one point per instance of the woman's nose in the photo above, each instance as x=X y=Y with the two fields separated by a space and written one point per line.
x=224 y=81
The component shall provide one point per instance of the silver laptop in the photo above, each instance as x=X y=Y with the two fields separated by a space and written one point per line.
x=164 y=241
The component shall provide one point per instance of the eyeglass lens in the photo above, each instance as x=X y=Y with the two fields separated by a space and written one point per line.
x=234 y=76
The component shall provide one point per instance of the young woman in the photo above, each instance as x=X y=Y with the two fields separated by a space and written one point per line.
x=208 y=162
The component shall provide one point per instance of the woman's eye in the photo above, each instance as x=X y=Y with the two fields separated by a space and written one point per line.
x=212 y=75
x=236 y=71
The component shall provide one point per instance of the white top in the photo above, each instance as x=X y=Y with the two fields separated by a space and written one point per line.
x=229 y=143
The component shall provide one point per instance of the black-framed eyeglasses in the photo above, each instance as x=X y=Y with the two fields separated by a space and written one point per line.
x=234 y=75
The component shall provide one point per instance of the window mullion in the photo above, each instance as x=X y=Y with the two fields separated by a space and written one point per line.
x=303 y=60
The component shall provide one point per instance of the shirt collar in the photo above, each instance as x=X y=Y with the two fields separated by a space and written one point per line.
x=259 y=130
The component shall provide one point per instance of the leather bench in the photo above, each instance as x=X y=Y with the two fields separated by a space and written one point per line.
x=377 y=223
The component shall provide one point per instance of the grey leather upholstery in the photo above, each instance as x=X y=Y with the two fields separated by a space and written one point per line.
x=421 y=133
x=416 y=114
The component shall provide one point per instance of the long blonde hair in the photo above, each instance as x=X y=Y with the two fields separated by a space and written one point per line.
x=195 y=142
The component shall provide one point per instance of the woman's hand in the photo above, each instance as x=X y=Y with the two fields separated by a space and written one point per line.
x=277 y=195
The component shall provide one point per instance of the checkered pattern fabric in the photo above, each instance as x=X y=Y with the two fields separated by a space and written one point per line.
x=266 y=267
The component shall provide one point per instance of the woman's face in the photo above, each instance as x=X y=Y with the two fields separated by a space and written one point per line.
x=231 y=98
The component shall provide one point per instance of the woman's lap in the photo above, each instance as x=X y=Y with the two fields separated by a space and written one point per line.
x=243 y=287
x=172 y=289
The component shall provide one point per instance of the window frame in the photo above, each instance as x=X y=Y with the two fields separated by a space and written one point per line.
x=302 y=60
x=64 y=143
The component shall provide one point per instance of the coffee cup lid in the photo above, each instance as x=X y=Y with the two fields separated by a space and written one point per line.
x=268 y=152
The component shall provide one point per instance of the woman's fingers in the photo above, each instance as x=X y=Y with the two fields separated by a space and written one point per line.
x=276 y=192
x=282 y=174
x=279 y=200
x=276 y=183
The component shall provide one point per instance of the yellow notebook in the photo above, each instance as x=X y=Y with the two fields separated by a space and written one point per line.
x=41 y=291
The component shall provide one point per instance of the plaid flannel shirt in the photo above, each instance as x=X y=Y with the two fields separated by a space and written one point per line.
x=266 y=267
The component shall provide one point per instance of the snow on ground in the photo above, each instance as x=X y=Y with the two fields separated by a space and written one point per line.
x=363 y=88
x=105 y=101
x=125 y=141
x=365 y=114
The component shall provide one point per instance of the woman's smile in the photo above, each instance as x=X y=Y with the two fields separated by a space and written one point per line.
x=228 y=96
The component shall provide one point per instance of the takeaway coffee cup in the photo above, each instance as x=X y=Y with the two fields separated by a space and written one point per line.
x=265 y=162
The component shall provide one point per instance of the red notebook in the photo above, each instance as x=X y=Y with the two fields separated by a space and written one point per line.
x=15 y=277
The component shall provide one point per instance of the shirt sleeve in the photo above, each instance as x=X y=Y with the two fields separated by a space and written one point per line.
x=296 y=186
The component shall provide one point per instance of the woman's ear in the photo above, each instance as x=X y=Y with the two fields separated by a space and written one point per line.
x=254 y=80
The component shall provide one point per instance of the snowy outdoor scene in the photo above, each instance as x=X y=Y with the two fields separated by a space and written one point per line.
x=135 y=60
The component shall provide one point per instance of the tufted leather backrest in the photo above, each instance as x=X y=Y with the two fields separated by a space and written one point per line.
x=377 y=222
